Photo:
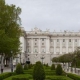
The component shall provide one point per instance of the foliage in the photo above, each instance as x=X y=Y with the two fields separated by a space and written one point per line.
x=5 y=75
x=10 y=30
x=52 y=67
x=73 y=76
x=30 y=66
x=55 y=59
x=59 y=70
x=57 y=78
x=19 y=78
x=19 y=69
x=25 y=67
x=73 y=57
x=38 y=72
x=46 y=65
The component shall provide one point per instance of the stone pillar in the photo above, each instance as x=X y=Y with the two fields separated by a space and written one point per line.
x=66 y=45
x=73 y=45
x=32 y=45
x=54 y=46
x=39 y=46
x=47 y=45
x=79 y=42
x=60 y=46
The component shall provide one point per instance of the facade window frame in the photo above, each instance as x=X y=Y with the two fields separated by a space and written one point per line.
x=57 y=40
x=69 y=40
x=63 y=40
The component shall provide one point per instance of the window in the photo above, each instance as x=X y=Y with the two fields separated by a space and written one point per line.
x=35 y=43
x=69 y=40
x=43 y=50
x=35 y=50
x=42 y=39
x=42 y=43
x=27 y=50
x=51 y=40
x=63 y=40
x=35 y=39
x=27 y=43
x=75 y=40
x=57 y=40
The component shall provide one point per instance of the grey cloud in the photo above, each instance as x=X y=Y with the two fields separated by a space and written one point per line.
x=52 y=14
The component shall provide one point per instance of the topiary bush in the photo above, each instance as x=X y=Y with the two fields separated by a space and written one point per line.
x=25 y=67
x=52 y=67
x=30 y=66
x=38 y=72
x=47 y=65
x=5 y=75
x=19 y=69
x=59 y=70
x=17 y=78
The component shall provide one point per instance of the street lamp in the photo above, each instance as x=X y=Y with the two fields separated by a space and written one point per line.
x=11 y=61
x=2 y=65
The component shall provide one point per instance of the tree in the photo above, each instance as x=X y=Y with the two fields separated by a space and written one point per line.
x=55 y=59
x=19 y=69
x=59 y=70
x=10 y=30
x=52 y=67
x=25 y=67
x=38 y=72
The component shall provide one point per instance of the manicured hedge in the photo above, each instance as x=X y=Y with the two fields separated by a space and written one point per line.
x=5 y=75
x=19 y=78
x=73 y=76
x=50 y=72
x=58 y=78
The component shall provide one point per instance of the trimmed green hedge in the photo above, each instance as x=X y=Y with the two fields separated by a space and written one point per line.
x=58 y=78
x=73 y=76
x=27 y=76
x=19 y=78
x=5 y=75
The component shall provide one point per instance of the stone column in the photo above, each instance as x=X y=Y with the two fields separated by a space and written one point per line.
x=60 y=46
x=73 y=45
x=54 y=46
x=79 y=42
x=47 y=45
x=39 y=46
x=66 y=45
x=32 y=45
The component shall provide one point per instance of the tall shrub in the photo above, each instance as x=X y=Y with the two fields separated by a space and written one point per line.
x=59 y=70
x=19 y=69
x=25 y=67
x=38 y=72
x=52 y=67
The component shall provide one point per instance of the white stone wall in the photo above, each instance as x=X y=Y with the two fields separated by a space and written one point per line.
x=54 y=44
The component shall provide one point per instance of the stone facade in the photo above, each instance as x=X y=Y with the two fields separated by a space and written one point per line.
x=38 y=45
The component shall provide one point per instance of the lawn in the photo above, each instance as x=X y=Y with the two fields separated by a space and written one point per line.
x=50 y=75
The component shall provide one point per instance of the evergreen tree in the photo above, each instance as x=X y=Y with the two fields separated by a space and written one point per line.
x=38 y=72
x=59 y=70
x=52 y=67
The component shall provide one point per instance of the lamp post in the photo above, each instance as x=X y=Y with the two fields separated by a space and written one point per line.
x=11 y=61
x=2 y=64
x=75 y=63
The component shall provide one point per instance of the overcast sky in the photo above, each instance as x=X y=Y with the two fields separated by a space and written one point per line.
x=49 y=14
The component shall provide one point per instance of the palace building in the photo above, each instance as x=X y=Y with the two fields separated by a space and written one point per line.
x=38 y=45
